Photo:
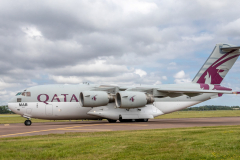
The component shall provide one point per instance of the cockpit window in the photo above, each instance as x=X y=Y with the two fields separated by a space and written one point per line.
x=19 y=93
x=28 y=94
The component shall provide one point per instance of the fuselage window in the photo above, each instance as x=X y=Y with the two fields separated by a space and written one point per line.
x=19 y=99
x=28 y=94
x=23 y=93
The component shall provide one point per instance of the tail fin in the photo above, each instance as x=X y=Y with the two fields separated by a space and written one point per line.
x=218 y=64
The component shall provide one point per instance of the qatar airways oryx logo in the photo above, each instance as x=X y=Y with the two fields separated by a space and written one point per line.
x=132 y=98
x=45 y=97
x=212 y=74
x=208 y=78
x=94 y=97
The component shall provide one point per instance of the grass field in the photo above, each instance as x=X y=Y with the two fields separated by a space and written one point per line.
x=13 y=118
x=200 y=114
x=185 y=143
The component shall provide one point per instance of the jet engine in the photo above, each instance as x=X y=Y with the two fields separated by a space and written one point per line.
x=128 y=99
x=95 y=98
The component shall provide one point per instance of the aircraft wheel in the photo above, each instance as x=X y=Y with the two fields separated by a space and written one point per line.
x=142 y=120
x=112 y=121
x=145 y=120
x=121 y=120
x=127 y=120
x=28 y=122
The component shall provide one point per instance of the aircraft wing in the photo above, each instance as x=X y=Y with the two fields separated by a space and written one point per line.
x=170 y=90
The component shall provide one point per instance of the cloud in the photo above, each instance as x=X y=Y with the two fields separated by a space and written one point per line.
x=181 y=77
x=157 y=83
x=69 y=79
x=96 y=68
x=180 y=74
x=140 y=72
x=5 y=85
x=124 y=79
x=231 y=28
x=32 y=32
x=200 y=38
x=182 y=80
x=172 y=65
x=117 y=42
x=164 y=77
x=139 y=6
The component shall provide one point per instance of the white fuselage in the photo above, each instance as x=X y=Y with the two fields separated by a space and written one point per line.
x=61 y=102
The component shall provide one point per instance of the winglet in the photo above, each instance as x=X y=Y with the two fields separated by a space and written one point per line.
x=228 y=49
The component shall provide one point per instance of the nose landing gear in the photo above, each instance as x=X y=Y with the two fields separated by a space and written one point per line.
x=28 y=122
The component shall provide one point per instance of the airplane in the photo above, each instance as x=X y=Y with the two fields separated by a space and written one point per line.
x=126 y=103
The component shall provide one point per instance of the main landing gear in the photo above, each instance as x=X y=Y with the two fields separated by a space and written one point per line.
x=133 y=120
x=28 y=122
x=128 y=120
x=142 y=120
x=112 y=121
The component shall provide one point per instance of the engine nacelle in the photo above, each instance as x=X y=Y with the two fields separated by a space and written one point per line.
x=128 y=99
x=94 y=98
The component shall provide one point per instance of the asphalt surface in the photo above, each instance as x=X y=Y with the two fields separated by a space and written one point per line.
x=18 y=129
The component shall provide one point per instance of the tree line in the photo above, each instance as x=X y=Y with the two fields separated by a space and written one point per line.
x=5 y=110
x=211 y=107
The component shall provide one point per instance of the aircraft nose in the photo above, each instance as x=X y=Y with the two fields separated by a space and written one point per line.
x=11 y=104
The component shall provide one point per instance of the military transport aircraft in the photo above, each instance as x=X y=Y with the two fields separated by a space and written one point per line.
x=126 y=104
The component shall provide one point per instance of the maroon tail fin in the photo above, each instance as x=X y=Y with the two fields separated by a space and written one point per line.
x=218 y=64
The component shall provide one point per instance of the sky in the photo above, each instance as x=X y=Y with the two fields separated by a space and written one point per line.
x=113 y=42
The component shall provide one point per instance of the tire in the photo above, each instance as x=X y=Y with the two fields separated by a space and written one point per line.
x=142 y=120
x=112 y=121
x=145 y=120
x=28 y=123
x=127 y=120
x=121 y=120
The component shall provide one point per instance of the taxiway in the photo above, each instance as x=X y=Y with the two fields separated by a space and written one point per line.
x=19 y=129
